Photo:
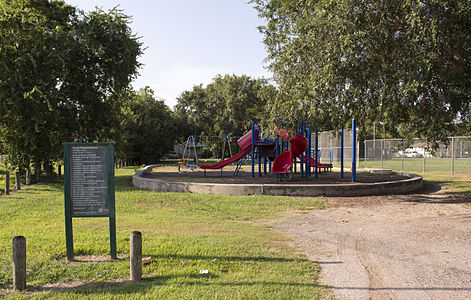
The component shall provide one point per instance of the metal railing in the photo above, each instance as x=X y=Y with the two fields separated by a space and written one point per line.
x=453 y=155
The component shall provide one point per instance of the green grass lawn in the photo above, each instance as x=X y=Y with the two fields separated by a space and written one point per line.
x=12 y=180
x=415 y=165
x=458 y=185
x=183 y=233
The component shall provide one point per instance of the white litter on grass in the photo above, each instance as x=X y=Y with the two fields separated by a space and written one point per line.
x=204 y=271
x=146 y=260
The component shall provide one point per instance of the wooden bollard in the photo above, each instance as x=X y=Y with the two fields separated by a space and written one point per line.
x=7 y=182
x=19 y=263
x=135 y=254
x=17 y=180
x=59 y=170
x=28 y=176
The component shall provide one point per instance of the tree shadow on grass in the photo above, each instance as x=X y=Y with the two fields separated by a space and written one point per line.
x=123 y=287
x=30 y=190
x=434 y=192
x=123 y=183
x=228 y=258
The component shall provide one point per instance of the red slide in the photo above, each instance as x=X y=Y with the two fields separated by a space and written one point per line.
x=245 y=143
x=284 y=162
x=225 y=162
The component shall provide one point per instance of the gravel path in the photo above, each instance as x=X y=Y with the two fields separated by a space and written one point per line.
x=391 y=247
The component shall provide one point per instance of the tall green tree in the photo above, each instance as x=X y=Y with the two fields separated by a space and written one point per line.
x=60 y=72
x=404 y=63
x=149 y=128
x=226 y=106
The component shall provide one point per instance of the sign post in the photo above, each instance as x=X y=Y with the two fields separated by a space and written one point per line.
x=89 y=187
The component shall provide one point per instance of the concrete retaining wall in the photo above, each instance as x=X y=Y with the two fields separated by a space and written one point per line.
x=412 y=183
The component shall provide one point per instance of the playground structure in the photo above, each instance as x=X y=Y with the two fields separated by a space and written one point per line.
x=278 y=156
x=283 y=156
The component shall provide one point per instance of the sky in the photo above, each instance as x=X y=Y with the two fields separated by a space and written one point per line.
x=189 y=42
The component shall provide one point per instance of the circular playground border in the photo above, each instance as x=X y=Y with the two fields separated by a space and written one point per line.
x=410 y=184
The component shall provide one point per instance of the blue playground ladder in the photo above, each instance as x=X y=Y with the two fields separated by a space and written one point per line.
x=240 y=162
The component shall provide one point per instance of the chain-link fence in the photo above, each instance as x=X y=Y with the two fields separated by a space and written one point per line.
x=454 y=155
x=329 y=147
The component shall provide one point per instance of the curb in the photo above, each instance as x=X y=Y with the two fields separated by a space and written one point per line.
x=412 y=183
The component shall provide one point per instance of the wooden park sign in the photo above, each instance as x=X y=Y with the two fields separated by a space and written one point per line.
x=89 y=187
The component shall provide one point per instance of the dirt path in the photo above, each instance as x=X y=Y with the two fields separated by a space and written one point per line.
x=392 y=247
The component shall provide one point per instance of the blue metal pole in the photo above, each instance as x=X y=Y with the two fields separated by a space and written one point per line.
x=259 y=161
x=302 y=154
x=284 y=147
x=253 y=150
x=277 y=152
x=354 y=151
x=264 y=165
x=306 y=153
x=309 y=151
x=341 y=152
x=315 y=154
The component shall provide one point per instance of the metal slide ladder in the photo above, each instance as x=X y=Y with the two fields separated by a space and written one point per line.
x=240 y=162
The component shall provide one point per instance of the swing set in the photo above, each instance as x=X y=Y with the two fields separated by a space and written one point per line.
x=190 y=158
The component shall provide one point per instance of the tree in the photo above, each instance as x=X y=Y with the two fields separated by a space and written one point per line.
x=404 y=63
x=463 y=129
x=60 y=73
x=226 y=106
x=149 y=128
